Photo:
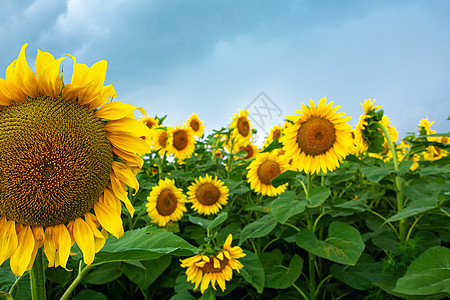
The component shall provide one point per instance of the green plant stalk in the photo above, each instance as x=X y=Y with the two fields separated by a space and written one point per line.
x=311 y=257
x=400 y=204
x=76 y=281
x=37 y=277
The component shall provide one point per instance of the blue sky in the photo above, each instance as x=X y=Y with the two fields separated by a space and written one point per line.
x=215 y=57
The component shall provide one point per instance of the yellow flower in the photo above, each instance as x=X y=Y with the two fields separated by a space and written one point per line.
x=160 y=139
x=205 y=269
x=60 y=174
x=263 y=169
x=424 y=127
x=208 y=195
x=196 y=125
x=181 y=142
x=274 y=134
x=241 y=131
x=361 y=145
x=319 y=139
x=166 y=202
x=251 y=150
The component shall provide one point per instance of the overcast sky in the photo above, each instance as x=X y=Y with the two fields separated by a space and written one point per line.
x=216 y=57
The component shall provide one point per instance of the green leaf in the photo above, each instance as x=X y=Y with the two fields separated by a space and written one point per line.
x=274 y=145
x=374 y=174
x=219 y=219
x=318 y=195
x=362 y=275
x=277 y=275
x=428 y=274
x=287 y=205
x=259 y=228
x=103 y=274
x=404 y=167
x=416 y=207
x=153 y=269
x=284 y=177
x=58 y=275
x=343 y=244
x=200 y=221
x=90 y=295
x=252 y=271
x=358 y=205
x=143 y=244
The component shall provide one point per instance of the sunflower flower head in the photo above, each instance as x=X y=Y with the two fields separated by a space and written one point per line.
x=166 y=202
x=319 y=138
x=66 y=158
x=263 y=169
x=160 y=139
x=249 y=148
x=210 y=268
x=208 y=195
x=181 y=142
x=424 y=127
x=196 y=125
x=241 y=129
x=275 y=133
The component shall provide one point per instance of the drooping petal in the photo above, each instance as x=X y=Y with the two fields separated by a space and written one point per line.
x=8 y=239
x=117 y=110
x=124 y=174
x=84 y=237
x=63 y=243
x=22 y=256
x=109 y=219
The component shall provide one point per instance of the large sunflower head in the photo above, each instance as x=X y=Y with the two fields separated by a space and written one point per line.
x=208 y=195
x=319 y=139
x=65 y=160
x=241 y=129
x=196 y=125
x=166 y=202
x=203 y=269
x=181 y=142
x=263 y=169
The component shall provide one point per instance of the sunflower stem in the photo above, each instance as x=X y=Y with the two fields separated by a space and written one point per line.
x=397 y=183
x=76 y=281
x=37 y=277
x=311 y=257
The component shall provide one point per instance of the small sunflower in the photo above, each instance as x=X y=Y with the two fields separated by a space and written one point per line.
x=274 y=134
x=424 y=127
x=208 y=195
x=251 y=150
x=160 y=140
x=196 y=125
x=166 y=202
x=241 y=129
x=66 y=156
x=151 y=124
x=319 y=139
x=361 y=144
x=263 y=169
x=205 y=269
x=181 y=142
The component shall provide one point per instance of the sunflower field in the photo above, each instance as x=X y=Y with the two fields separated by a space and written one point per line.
x=98 y=204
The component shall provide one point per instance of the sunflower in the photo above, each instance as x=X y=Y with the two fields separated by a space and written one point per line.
x=196 y=125
x=205 y=269
x=66 y=157
x=166 y=202
x=251 y=150
x=424 y=127
x=241 y=129
x=208 y=195
x=274 y=134
x=181 y=142
x=319 y=139
x=160 y=139
x=361 y=143
x=151 y=124
x=263 y=169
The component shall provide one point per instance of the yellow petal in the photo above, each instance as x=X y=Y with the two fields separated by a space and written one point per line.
x=38 y=233
x=129 y=158
x=129 y=143
x=8 y=239
x=22 y=257
x=128 y=126
x=22 y=76
x=48 y=76
x=117 y=188
x=117 y=110
x=49 y=246
x=63 y=243
x=84 y=237
x=124 y=174
x=100 y=242
x=109 y=219
x=205 y=283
